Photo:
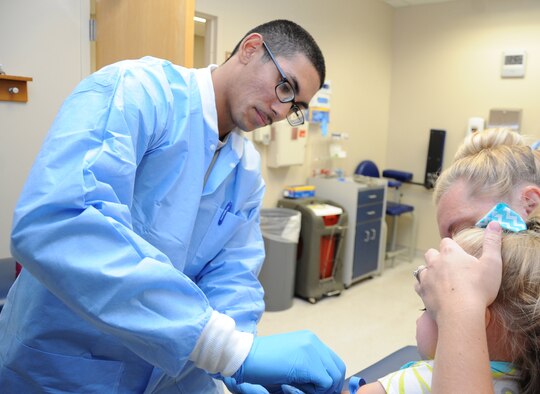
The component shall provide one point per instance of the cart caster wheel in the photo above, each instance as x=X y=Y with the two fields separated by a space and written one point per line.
x=312 y=300
x=333 y=293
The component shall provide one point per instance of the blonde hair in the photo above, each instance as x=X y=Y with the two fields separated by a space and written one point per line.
x=517 y=306
x=492 y=162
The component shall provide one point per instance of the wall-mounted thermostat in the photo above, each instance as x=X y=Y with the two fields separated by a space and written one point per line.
x=513 y=64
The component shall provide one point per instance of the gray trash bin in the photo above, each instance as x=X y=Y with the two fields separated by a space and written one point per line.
x=280 y=228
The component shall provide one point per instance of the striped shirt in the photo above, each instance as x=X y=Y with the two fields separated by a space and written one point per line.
x=415 y=377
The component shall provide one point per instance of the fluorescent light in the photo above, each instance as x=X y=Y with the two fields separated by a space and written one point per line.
x=199 y=19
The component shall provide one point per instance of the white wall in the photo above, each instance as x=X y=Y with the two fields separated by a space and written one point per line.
x=42 y=40
x=446 y=69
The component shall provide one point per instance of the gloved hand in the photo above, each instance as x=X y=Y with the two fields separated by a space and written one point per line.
x=244 y=388
x=298 y=359
x=248 y=388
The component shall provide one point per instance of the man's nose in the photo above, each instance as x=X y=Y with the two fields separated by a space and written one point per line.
x=280 y=110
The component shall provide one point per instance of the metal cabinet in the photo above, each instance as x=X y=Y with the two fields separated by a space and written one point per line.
x=367 y=239
x=366 y=234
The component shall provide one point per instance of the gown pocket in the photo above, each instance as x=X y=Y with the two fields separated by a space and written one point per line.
x=60 y=373
x=222 y=228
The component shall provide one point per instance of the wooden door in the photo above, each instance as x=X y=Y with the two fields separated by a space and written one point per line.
x=130 y=29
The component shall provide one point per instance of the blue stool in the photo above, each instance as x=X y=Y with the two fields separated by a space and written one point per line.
x=394 y=208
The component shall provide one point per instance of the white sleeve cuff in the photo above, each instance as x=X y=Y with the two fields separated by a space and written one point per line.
x=221 y=348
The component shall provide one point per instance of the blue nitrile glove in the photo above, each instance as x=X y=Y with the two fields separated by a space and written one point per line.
x=248 y=388
x=286 y=389
x=355 y=382
x=298 y=359
x=244 y=388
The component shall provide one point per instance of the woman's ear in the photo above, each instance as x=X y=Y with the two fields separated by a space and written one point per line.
x=249 y=47
x=530 y=196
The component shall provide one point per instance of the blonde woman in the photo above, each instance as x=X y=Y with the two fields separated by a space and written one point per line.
x=491 y=166
x=511 y=322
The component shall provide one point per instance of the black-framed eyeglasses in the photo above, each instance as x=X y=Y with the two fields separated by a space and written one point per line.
x=285 y=94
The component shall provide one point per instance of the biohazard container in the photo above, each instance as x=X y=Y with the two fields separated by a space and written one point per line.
x=319 y=261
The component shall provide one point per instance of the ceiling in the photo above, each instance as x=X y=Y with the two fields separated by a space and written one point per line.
x=407 y=3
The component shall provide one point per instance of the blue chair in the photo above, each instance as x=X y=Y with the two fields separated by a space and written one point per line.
x=394 y=208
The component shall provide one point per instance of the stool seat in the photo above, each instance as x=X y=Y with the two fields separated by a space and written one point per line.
x=394 y=184
x=396 y=209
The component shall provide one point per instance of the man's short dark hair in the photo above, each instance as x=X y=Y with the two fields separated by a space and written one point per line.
x=286 y=38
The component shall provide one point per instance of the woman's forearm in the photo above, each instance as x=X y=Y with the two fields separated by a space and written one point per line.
x=462 y=358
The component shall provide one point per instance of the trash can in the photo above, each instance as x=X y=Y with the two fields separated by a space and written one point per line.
x=280 y=228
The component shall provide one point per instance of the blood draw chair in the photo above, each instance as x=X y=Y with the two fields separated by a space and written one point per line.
x=394 y=207
x=390 y=363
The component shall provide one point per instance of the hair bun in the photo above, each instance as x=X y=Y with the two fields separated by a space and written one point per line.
x=486 y=139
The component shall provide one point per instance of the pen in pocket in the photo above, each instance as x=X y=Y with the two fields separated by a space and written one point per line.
x=225 y=210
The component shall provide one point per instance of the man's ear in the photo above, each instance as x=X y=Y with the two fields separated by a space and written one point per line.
x=249 y=46
x=530 y=196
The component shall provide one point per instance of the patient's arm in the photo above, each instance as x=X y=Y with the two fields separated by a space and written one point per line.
x=456 y=289
x=371 y=388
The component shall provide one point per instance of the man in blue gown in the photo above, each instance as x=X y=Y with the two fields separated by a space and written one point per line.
x=138 y=230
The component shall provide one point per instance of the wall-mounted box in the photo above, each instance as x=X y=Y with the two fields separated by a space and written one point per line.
x=513 y=64
x=13 y=88
x=507 y=118
x=287 y=145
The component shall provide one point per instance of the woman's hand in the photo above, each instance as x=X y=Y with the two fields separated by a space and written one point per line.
x=454 y=280
x=456 y=289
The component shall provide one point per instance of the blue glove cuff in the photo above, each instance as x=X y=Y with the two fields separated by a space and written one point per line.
x=355 y=382
x=239 y=375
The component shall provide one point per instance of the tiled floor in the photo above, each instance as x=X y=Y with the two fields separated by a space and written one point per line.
x=365 y=323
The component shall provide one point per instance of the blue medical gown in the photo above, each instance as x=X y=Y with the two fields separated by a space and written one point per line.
x=125 y=251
